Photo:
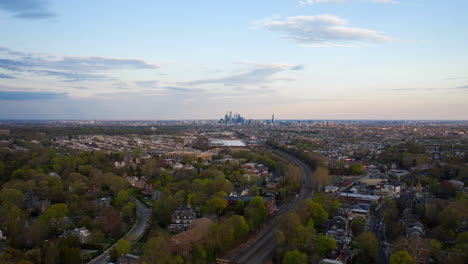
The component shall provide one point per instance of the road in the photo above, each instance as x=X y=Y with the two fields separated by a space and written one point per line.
x=142 y=222
x=261 y=248
x=376 y=228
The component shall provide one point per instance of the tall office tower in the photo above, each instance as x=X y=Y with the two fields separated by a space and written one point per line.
x=273 y=119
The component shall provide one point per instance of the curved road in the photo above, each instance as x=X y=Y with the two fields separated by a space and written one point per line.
x=260 y=249
x=143 y=217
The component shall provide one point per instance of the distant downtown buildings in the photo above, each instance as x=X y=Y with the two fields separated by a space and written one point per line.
x=238 y=119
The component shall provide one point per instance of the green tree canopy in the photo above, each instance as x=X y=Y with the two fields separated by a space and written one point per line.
x=122 y=247
x=11 y=197
x=294 y=257
x=324 y=244
x=357 y=225
x=255 y=212
x=366 y=246
x=401 y=257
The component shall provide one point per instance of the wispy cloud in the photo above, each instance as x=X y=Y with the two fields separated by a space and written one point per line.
x=147 y=84
x=26 y=96
x=28 y=9
x=6 y=76
x=181 y=89
x=260 y=74
x=297 y=68
x=73 y=76
x=68 y=68
x=320 y=30
x=81 y=87
x=464 y=87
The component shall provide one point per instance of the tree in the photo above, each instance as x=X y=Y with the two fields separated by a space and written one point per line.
x=255 y=212
x=216 y=205
x=164 y=207
x=239 y=225
x=54 y=216
x=329 y=202
x=294 y=257
x=366 y=246
x=158 y=251
x=293 y=234
x=12 y=220
x=69 y=255
x=357 y=168
x=51 y=255
x=110 y=222
x=314 y=210
x=137 y=152
x=321 y=177
x=2 y=170
x=240 y=207
x=128 y=212
x=357 y=225
x=151 y=168
x=324 y=245
x=122 y=247
x=401 y=257
x=34 y=255
x=97 y=237
x=11 y=197
x=122 y=198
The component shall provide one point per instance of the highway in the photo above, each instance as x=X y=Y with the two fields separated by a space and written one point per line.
x=142 y=222
x=260 y=249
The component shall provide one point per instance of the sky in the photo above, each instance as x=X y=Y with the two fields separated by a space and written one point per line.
x=297 y=59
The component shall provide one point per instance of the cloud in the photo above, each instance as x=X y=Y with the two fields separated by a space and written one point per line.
x=81 y=87
x=68 y=68
x=260 y=74
x=320 y=30
x=430 y=89
x=6 y=76
x=297 y=68
x=73 y=76
x=404 y=89
x=147 y=84
x=26 y=96
x=311 y=2
x=28 y=9
x=181 y=89
x=92 y=63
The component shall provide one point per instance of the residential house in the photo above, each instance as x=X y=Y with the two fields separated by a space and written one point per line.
x=181 y=218
x=338 y=228
x=83 y=234
x=412 y=224
x=103 y=202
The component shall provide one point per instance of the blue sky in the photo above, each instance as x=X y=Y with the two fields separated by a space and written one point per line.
x=310 y=59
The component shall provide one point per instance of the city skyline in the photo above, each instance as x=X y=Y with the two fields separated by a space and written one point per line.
x=319 y=60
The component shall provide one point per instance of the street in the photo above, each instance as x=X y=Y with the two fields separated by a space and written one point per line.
x=143 y=217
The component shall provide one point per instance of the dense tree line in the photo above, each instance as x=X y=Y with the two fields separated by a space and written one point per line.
x=43 y=194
